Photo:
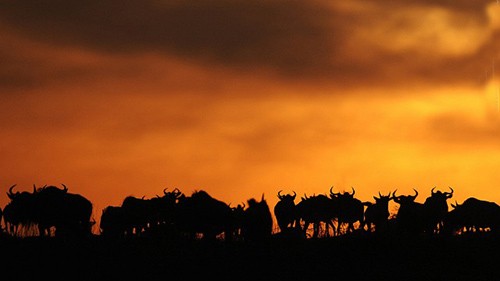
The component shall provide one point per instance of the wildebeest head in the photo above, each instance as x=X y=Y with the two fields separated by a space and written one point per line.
x=343 y=195
x=404 y=199
x=286 y=197
x=439 y=196
x=383 y=199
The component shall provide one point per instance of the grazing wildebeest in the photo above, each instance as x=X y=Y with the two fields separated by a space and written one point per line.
x=472 y=215
x=51 y=207
x=435 y=208
x=377 y=214
x=201 y=214
x=316 y=210
x=285 y=211
x=257 y=222
x=350 y=210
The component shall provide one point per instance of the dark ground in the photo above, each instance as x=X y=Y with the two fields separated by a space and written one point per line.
x=349 y=257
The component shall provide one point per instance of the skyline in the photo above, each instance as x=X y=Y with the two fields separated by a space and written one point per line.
x=243 y=98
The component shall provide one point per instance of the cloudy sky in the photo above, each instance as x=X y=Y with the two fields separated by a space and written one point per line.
x=245 y=98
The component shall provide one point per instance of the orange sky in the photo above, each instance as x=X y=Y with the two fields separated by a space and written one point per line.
x=244 y=98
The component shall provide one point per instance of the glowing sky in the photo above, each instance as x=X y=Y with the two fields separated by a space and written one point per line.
x=243 y=98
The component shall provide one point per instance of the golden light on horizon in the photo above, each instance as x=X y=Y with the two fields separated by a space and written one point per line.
x=371 y=95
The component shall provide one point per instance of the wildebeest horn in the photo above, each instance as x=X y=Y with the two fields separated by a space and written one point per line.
x=449 y=194
x=353 y=191
x=394 y=193
x=333 y=194
x=294 y=195
x=10 y=194
x=65 y=188
x=165 y=190
x=432 y=190
x=416 y=194
x=279 y=194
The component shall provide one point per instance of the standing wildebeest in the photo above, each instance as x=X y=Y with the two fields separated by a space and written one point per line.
x=315 y=210
x=410 y=215
x=472 y=215
x=164 y=206
x=202 y=214
x=50 y=207
x=435 y=208
x=285 y=211
x=137 y=212
x=19 y=212
x=113 y=222
x=350 y=210
x=257 y=222
x=377 y=214
x=238 y=214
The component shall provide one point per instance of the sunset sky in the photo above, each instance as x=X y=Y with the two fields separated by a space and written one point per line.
x=245 y=98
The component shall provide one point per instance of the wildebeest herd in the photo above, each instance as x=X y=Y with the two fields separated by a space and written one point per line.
x=54 y=211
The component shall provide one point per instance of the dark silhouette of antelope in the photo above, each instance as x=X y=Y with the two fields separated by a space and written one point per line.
x=138 y=213
x=410 y=215
x=19 y=216
x=377 y=214
x=47 y=208
x=163 y=210
x=350 y=211
x=316 y=210
x=473 y=215
x=285 y=211
x=201 y=214
x=435 y=208
x=113 y=222
x=257 y=221
x=238 y=214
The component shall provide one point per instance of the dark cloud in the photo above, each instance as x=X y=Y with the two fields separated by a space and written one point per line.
x=454 y=128
x=295 y=39
x=285 y=34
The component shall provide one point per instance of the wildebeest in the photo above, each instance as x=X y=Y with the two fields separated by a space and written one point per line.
x=113 y=222
x=201 y=214
x=422 y=218
x=409 y=217
x=51 y=207
x=19 y=216
x=377 y=214
x=285 y=211
x=257 y=222
x=316 y=210
x=435 y=208
x=163 y=207
x=350 y=210
x=238 y=214
x=472 y=215
x=137 y=212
